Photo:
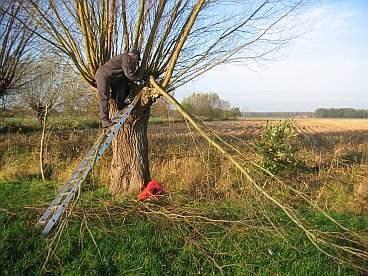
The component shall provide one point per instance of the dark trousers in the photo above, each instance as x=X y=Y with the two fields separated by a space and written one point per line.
x=116 y=90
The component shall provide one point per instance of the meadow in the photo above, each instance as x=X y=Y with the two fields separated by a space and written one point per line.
x=212 y=221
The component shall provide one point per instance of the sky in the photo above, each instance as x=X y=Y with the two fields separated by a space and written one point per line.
x=327 y=66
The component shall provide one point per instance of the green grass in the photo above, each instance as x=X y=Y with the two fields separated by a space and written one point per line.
x=136 y=244
x=28 y=124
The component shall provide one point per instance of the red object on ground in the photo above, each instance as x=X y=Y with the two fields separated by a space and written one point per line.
x=153 y=190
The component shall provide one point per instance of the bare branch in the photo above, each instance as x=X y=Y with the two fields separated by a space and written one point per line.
x=15 y=41
x=139 y=24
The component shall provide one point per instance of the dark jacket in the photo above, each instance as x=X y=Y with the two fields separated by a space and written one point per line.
x=120 y=68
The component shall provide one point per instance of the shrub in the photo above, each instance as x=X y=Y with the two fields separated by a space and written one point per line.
x=276 y=148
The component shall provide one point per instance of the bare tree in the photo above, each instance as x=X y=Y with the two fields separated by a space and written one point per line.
x=44 y=91
x=15 y=40
x=179 y=39
x=209 y=105
x=160 y=109
x=51 y=85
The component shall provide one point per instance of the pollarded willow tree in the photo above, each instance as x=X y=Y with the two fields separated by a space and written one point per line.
x=179 y=40
x=15 y=41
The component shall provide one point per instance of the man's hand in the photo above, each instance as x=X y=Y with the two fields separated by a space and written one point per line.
x=141 y=82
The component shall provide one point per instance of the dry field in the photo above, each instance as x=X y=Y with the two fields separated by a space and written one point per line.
x=312 y=126
x=251 y=128
x=174 y=149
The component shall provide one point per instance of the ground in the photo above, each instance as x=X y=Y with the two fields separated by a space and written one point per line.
x=212 y=220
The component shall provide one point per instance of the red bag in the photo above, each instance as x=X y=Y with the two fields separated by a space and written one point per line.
x=152 y=191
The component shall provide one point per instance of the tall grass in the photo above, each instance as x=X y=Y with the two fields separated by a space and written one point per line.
x=183 y=161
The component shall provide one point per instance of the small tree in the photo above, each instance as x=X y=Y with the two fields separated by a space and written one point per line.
x=203 y=104
x=47 y=88
x=51 y=86
x=276 y=148
x=160 y=109
x=209 y=105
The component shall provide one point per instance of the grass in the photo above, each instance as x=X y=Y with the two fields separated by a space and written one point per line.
x=31 y=124
x=134 y=243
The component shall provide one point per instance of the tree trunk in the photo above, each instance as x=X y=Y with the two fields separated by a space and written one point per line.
x=130 y=167
x=42 y=142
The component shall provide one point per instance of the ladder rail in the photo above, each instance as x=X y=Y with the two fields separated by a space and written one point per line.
x=68 y=186
x=67 y=193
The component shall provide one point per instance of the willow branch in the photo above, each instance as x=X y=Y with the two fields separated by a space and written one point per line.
x=169 y=26
x=315 y=240
x=185 y=33
x=152 y=35
x=125 y=26
x=139 y=24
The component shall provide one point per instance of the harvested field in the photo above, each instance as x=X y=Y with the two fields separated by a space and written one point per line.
x=311 y=126
x=251 y=128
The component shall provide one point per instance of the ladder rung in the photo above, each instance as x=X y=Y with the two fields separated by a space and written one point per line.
x=81 y=169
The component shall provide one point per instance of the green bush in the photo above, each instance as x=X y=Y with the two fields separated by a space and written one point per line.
x=276 y=148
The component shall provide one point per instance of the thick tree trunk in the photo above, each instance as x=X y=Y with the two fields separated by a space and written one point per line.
x=130 y=167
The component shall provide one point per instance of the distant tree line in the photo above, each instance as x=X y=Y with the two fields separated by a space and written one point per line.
x=248 y=114
x=341 y=113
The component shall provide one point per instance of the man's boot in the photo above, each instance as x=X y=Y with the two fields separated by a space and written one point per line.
x=106 y=123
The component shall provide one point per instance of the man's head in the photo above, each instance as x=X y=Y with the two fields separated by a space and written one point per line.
x=135 y=53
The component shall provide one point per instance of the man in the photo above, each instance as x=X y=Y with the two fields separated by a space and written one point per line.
x=116 y=75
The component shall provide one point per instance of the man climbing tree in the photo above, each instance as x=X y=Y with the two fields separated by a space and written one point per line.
x=117 y=75
x=182 y=39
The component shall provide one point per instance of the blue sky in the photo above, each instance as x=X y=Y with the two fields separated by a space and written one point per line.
x=325 y=67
